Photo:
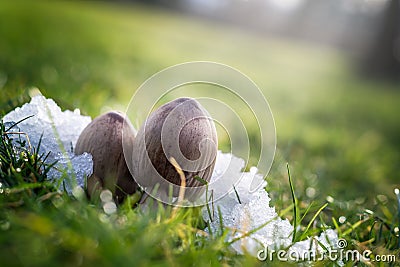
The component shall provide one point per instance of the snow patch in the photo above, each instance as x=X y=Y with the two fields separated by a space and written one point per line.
x=59 y=132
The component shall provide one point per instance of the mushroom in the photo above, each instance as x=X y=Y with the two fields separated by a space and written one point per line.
x=183 y=130
x=103 y=139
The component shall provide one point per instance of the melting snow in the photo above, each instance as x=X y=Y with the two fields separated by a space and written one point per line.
x=60 y=132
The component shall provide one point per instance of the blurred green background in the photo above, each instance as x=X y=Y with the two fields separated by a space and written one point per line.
x=337 y=127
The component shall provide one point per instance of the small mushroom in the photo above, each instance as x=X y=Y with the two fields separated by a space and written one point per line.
x=181 y=129
x=103 y=139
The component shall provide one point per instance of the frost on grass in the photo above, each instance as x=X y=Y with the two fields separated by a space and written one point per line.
x=245 y=212
x=59 y=132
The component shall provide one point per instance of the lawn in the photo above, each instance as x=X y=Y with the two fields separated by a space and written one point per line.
x=338 y=131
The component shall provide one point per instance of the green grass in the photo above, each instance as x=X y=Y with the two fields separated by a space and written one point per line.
x=42 y=226
x=338 y=131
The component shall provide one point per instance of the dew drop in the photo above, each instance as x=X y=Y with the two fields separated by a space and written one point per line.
x=109 y=208
x=106 y=196
x=310 y=192
x=342 y=219
x=330 y=199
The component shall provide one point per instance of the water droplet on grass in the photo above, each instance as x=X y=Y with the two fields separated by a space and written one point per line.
x=342 y=219
x=330 y=199
x=109 y=208
x=369 y=211
x=106 y=196
x=310 y=192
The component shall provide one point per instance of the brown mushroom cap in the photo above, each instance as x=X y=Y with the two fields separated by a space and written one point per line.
x=103 y=139
x=181 y=129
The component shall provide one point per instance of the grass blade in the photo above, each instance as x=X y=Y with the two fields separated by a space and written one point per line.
x=237 y=194
x=18 y=122
x=295 y=205
x=312 y=220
